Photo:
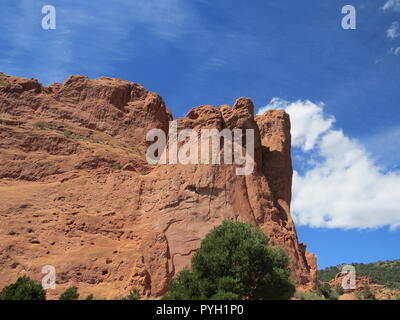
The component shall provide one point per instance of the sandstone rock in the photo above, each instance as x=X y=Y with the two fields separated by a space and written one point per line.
x=62 y=148
x=362 y=282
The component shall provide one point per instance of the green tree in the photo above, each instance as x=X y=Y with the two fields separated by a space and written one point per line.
x=234 y=262
x=70 y=294
x=23 y=289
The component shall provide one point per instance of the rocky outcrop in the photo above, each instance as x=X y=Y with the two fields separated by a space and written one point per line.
x=78 y=194
x=361 y=285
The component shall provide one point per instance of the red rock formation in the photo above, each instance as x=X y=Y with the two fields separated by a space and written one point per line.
x=77 y=193
x=363 y=283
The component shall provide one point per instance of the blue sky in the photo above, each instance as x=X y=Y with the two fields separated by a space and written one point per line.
x=211 y=52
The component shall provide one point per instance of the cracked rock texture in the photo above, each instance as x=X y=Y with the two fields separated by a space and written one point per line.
x=76 y=191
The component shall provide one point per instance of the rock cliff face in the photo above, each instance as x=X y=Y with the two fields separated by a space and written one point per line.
x=77 y=192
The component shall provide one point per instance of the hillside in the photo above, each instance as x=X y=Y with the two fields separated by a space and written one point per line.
x=386 y=273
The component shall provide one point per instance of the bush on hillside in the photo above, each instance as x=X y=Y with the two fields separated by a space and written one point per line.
x=70 y=294
x=23 y=289
x=133 y=295
x=234 y=262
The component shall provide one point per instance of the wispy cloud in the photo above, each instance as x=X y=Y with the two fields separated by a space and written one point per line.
x=89 y=35
x=392 y=5
x=228 y=50
x=344 y=188
x=393 y=31
x=395 y=51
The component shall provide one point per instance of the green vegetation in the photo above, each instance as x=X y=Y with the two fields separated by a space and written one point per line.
x=117 y=166
x=41 y=125
x=386 y=273
x=23 y=289
x=27 y=289
x=339 y=290
x=143 y=172
x=234 y=262
x=133 y=295
x=326 y=291
x=119 y=145
x=3 y=83
x=367 y=294
x=70 y=294
x=358 y=296
x=44 y=125
x=70 y=135
x=308 y=296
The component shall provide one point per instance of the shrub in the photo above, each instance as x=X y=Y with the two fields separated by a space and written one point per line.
x=133 y=295
x=326 y=291
x=234 y=262
x=367 y=294
x=23 y=289
x=44 y=125
x=339 y=290
x=89 y=297
x=40 y=124
x=117 y=166
x=358 y=296
x=70 y=294
x=67 y=134
x=70 y=135
x=308 y=296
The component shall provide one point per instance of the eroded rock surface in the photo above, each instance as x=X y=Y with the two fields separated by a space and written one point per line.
x=76 y=191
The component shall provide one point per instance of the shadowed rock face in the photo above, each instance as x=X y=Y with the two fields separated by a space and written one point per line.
x=77 y=193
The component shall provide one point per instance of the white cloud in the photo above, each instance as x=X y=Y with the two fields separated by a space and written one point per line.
x=393 y=31
x=392 y=5
x=395 y=51
x=344 y=188
x=308 y=121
